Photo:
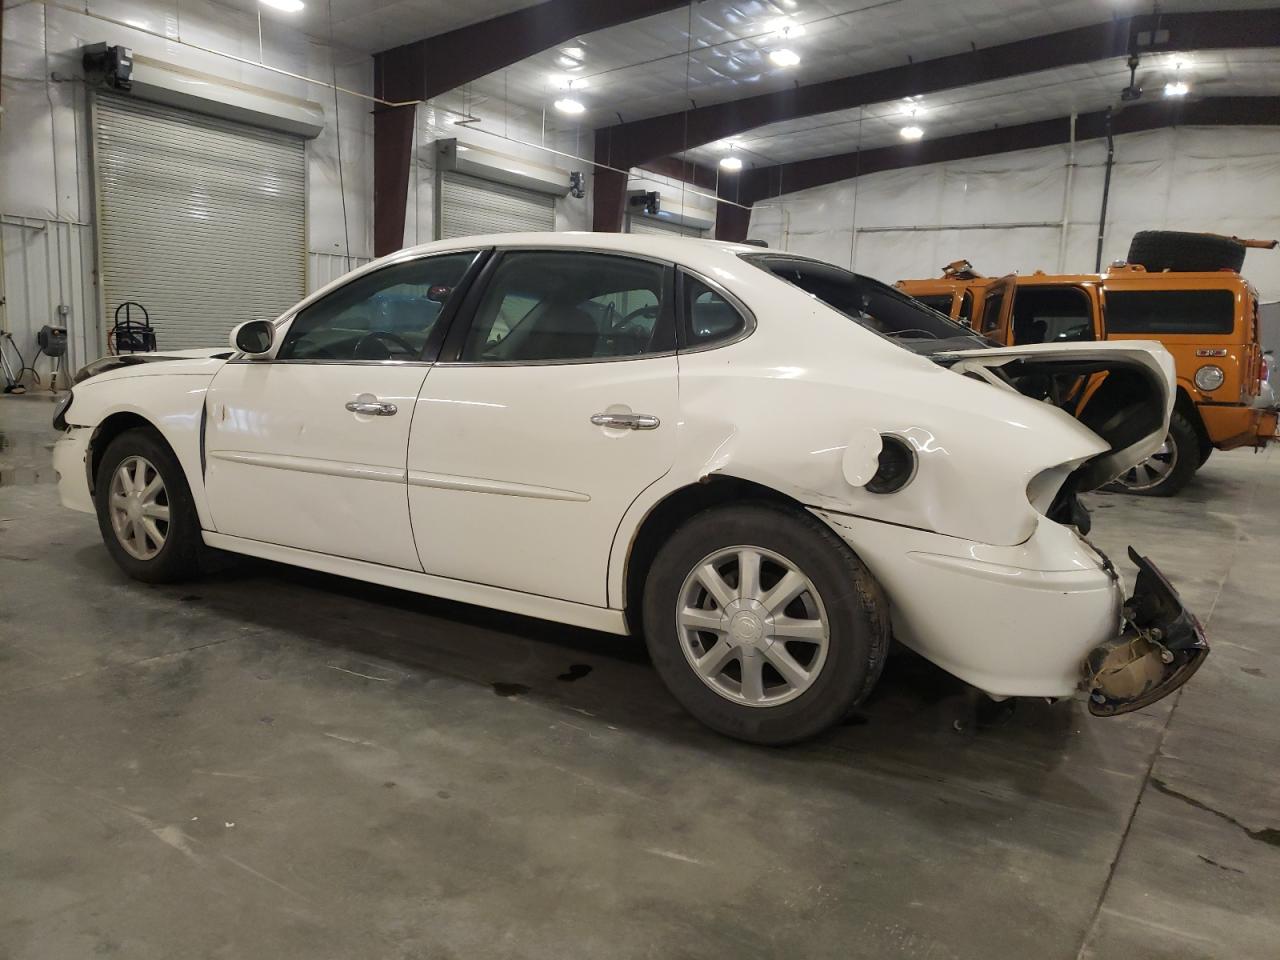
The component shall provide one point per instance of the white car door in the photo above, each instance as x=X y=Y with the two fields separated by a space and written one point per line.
x=547 y=416
x=306 y=448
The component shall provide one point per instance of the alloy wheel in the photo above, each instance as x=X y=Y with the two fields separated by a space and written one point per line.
x=1152 y=471
x=752 y=626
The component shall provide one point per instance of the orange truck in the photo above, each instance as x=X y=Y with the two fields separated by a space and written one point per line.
x=1182 y=289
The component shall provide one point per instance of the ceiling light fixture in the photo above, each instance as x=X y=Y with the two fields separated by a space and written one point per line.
x=731 y=163
x=784 y=57
x=1176 y=89
x=784 y=27
x=561 y=82
x=911 y=107
x=566 y=105
x=911 y=133
x=285 y=6
x=571 y=58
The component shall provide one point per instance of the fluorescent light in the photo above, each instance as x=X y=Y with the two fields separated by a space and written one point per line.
x=911 y=133
x=287 y=6
x=784 y=57
x=571 y=58
x=1176 y=89
x=731 y=163
x=565 y=105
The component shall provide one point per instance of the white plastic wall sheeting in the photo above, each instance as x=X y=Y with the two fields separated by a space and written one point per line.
x=1005 y=212
x=44 y=167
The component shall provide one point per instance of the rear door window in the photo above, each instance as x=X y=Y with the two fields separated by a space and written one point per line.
x=1052 y=315
x=1170 y=311
x=568 y=306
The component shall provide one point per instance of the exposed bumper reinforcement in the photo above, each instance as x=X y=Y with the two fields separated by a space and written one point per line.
x=1160 y=649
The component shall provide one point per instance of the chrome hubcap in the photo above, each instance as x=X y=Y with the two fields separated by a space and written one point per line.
x=139 y=508
x=1152 y=471
x=752 y=626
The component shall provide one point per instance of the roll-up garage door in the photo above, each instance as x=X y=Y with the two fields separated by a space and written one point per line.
x=201 y=220
x=470 y=206
x=650 y=225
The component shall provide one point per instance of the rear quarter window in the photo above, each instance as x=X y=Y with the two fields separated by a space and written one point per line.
x=1170 y=311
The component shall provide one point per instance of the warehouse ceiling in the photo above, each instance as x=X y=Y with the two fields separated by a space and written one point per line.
x=1016 y=100
x=719 y=50
x=367 y=26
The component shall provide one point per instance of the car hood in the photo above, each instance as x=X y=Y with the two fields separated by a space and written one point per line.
x=204 y=359
x=1123 y=391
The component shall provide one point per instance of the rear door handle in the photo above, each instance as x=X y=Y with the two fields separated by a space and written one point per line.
x=626 y=421
x=372 y=407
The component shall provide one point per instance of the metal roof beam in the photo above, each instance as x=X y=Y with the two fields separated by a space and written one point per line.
x=640 y=141
x=763 y=182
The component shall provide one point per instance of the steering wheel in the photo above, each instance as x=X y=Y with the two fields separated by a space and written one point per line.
x=650 y=311
x=384 y=338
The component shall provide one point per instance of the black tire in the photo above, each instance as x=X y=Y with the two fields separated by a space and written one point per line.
x=1159 y=250
x=1185 y=454
x=1206 y=451
x=179 y=556
x=856 y=609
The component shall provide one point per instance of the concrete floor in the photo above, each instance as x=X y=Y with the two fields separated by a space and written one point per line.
x=274 y=763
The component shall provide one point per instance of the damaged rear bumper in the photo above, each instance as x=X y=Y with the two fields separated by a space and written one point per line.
x=1161 y=647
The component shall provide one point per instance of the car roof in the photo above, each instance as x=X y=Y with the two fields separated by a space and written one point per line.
x=703 y=256
x=675 y=248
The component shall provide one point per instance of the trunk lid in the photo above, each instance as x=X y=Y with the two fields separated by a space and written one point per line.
x=1121 y=390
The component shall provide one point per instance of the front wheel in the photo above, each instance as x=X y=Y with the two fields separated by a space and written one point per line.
x=1170 y=468
x=145 y=511
x=763 y=623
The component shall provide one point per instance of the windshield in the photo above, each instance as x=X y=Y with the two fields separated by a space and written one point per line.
x=871 y=304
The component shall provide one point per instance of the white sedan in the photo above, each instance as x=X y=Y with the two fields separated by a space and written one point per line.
x=768 y=464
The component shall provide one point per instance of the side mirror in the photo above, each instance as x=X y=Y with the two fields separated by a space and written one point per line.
x=254 y=337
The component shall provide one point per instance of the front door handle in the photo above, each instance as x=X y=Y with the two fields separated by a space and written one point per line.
x=372 y=407
x=626 y=421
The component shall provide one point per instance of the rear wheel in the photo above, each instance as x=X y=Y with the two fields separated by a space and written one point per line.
x=763 y=624
x=1171 y=467
x=145 y=511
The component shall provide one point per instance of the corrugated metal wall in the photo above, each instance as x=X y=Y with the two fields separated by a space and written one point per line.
x=323 y=268
x=48 y=263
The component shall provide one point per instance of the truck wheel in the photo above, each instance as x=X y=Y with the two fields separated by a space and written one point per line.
x=1159 y=250
x=145 y=511
x=763 y=623
x=1170 y=468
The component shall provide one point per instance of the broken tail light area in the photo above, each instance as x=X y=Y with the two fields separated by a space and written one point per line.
x=1160 y=648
